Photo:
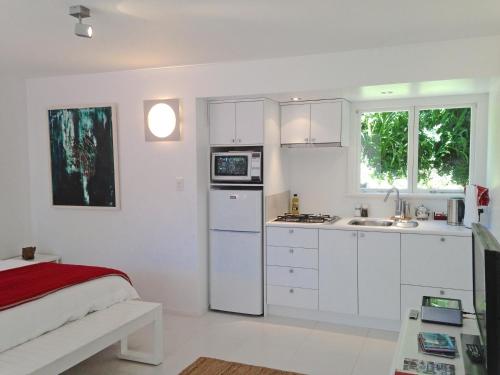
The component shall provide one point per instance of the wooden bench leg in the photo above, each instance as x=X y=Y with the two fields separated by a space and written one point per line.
x=154 y=358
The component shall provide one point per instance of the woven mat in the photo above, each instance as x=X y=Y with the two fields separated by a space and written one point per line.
x=212 y=366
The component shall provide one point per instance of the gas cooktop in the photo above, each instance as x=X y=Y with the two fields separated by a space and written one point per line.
x=307 y=218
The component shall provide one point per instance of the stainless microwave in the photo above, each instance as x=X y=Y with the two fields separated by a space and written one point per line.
x=237 y=166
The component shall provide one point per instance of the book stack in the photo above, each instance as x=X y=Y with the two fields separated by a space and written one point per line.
x=439 y=344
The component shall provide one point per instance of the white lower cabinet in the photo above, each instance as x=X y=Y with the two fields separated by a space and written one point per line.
x=379 y=275
x=292 y=297
x=292 y=237
x=292 y=276
x=436 y=261
x=292 y=257
x=411 y=297
x=338 y=273
x=366 y=273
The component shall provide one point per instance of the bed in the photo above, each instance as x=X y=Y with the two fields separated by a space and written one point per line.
x=53 y=333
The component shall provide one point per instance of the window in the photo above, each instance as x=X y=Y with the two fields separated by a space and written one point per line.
x=443 y=149
x=415 y=149
x=384 y=150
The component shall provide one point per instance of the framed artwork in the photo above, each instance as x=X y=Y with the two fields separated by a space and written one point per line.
x=83 y=156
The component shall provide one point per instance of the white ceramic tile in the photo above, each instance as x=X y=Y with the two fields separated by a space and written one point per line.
x=376 y=355
x=328 y=352
x=283 y=343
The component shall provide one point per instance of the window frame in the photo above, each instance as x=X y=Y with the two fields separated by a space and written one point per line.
x=413 y=106
x=409 y=156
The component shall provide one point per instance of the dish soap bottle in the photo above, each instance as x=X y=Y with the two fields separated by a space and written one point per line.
x=295 y=205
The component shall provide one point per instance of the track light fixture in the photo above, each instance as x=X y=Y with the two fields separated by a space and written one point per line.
x=81 y=29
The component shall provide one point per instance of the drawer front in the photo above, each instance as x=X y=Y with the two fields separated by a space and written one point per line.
x=292 y=297
x=436 y=261
x=411 y=297
x=292 y=257
x=292 y=276
x=292 y=237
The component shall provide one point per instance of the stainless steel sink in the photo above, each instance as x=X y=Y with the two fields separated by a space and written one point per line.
x=371 y=222
x=407 y=224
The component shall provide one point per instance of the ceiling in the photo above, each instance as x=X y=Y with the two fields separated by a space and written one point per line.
x=36 y=36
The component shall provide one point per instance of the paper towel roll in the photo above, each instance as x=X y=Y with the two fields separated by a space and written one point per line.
x=471 y=209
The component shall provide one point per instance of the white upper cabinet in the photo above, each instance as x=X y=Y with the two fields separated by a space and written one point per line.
x=326 y=122
x=322 y=122
x=338 y=276
x=222 y=123
x=379 y=275
x=295 y=123
x=240 y=123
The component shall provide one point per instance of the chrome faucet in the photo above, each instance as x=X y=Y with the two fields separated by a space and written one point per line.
x=398 y=210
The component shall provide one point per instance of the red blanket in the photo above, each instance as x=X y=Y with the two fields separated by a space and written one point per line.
x=25 y=284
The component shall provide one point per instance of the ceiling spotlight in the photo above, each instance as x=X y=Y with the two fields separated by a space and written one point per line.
x=295 y=99
x=81 y=29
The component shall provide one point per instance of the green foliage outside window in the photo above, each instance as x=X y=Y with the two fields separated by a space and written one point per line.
x=444 y=142
x=384 y=144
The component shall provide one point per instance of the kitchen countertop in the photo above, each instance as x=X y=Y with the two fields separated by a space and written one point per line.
x=424 y=227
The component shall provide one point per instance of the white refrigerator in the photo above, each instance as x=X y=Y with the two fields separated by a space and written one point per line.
x=236 y=257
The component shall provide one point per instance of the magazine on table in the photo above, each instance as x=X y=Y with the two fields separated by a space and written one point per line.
x=428 y=367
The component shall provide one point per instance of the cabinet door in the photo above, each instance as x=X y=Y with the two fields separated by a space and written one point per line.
x=379 y=275
x=338 y=273
x=326 y=122
x=222 y=123
x=250 y=123
x=295 y=123
x=436 y=261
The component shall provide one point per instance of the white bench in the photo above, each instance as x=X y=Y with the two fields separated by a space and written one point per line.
x=61 y=349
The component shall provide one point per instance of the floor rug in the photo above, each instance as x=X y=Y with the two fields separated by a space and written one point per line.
x=212 y=366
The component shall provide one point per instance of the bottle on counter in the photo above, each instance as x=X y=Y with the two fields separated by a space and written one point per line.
x=364 y=210
x=357 y=210
x=295 y=205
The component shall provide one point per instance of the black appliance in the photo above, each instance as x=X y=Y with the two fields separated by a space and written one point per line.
x=486 y=265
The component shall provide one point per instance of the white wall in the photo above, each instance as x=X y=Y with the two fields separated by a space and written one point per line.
x=155 y=236
x=494 y=160
x=15 y=231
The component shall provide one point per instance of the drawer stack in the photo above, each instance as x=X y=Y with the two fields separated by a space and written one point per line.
x=438 y=266
x=292 y=267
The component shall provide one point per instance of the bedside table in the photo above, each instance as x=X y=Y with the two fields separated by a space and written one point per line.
x=43 y=258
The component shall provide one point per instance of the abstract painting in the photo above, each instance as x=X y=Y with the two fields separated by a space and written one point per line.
x=83 y=157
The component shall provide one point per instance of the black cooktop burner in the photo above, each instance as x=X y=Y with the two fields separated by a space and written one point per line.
x=307 y=218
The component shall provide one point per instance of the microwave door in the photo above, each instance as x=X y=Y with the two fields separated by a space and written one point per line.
x=227 y=167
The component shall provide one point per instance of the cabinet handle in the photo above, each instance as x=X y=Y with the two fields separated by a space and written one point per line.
x=362 y=235
x=291 y=290
x=291 y=251
x=354 y=234
x=291 y=270
x=313 y=139
x=290 y=230
x=443 y=239
x=239 y=140
x=306 y=139
x=232 y=140
x=441 y=292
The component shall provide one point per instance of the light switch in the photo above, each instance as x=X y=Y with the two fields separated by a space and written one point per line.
x=179 y=183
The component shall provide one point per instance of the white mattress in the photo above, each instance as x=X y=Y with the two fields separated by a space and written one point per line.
x=32 y=319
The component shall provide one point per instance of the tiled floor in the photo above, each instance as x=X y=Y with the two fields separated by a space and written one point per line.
x=282 y=343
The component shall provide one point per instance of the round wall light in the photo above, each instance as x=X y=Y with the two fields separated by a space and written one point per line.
x=161 y=120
